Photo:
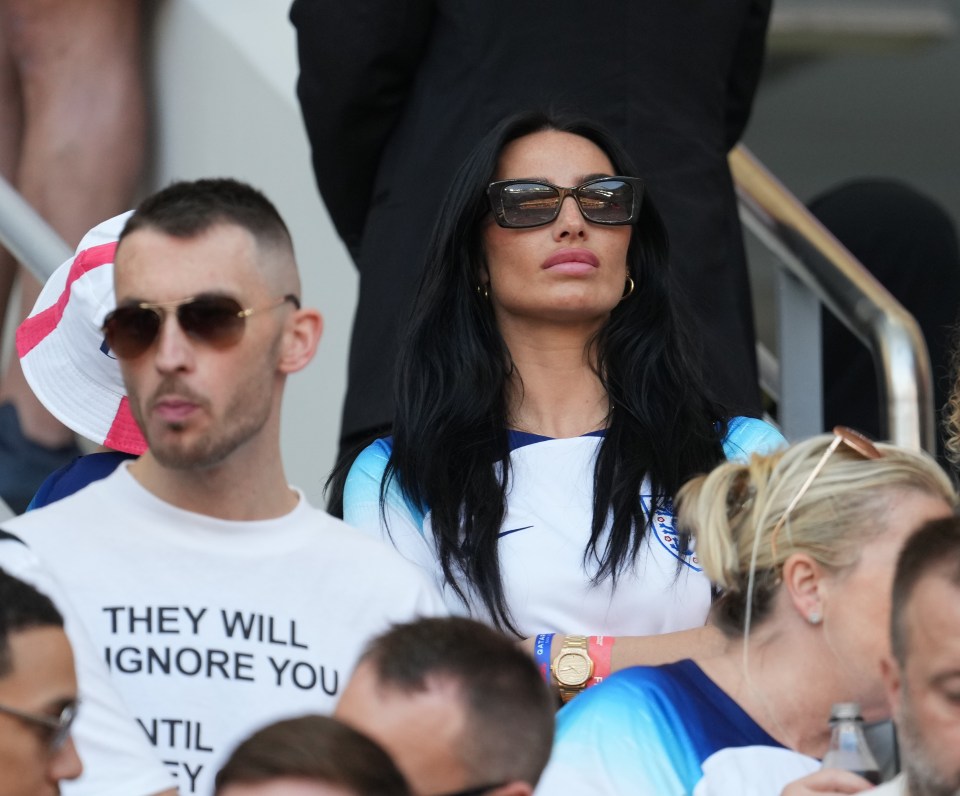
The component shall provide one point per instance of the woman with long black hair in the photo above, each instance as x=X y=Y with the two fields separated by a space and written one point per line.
x=549 y=403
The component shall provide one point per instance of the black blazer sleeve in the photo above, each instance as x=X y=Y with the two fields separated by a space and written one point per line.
x=357 y=60
x=745 y=69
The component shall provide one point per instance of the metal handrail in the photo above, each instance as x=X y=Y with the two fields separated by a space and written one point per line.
x=33 y=242
x=30 y=239
x=815 y=257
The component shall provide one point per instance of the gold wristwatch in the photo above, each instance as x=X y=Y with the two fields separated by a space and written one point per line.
x=573 y=667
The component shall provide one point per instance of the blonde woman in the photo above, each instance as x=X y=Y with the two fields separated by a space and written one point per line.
x=802 y=545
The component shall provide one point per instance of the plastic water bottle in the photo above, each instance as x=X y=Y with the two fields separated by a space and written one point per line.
x=848 y=745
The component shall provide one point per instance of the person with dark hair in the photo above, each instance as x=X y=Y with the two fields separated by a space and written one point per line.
x=802 y=545
x=309 y=756
x=38 y=693
x=923 y=673
x=230 y=601
x=549 y=403
x=396 y=94
x=459 y=707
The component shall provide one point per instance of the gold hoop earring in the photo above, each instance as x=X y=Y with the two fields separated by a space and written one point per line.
x=484 y=291
x=628 y=288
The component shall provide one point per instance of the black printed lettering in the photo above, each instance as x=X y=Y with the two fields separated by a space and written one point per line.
x=323 y=681
x=167 y=619
x=175 y=767
x=186 y=661
x=194 y=618
x=198 y=741
x=151 y=731
x=192 y=774
x=270 y=635
x=259 y=627
x=242 y=665
x=161 y=619
x=113 y=611
x=217 y=659
x=306 y=676
x=158 y=660
x=175 y=733
x=278 y=669
x=146 y=619
x=128 y=660
x=293 y=636
x=171 y=726
x=189 y=661
x=230 y=624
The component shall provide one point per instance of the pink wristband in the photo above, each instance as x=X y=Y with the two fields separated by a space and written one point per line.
x=600 y=648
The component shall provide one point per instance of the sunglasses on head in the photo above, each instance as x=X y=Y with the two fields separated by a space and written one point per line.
x=56 y=728
x=842 y=435
x=518 y=204
x=217 y=321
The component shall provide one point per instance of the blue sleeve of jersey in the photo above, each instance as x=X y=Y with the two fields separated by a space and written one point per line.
x=361 y=494
x=748 y=435
x=621 y=737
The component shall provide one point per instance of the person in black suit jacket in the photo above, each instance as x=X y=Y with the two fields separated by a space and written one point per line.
x=395 y=93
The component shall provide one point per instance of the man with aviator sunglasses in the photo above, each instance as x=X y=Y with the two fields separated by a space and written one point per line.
x=38 y=693
x=218 y=598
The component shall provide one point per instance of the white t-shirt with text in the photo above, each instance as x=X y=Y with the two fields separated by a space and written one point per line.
x=211 y=629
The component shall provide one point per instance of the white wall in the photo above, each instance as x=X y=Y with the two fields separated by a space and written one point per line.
x=225 y=105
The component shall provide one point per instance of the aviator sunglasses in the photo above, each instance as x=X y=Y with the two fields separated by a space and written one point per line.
x=217 y=321
x=518 y=204
x=57 y=728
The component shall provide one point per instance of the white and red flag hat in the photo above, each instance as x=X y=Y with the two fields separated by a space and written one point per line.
x=63 y=353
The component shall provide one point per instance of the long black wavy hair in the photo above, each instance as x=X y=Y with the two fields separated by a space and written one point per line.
x=450 y=434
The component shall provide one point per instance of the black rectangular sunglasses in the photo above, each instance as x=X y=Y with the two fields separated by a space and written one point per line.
x=518 y=204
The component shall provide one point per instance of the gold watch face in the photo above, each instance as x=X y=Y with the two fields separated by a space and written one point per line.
x=572 y=668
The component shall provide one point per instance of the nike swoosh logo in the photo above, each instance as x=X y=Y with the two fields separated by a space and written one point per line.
x=514 y=530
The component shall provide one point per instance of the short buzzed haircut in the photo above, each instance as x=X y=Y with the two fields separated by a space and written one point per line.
x=934 y=550
x=22 y=607
x=317 y=749
x=509 y=709
x=188 y=208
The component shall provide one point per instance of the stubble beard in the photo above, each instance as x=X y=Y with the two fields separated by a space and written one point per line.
x=243 y=418
x=924 y=778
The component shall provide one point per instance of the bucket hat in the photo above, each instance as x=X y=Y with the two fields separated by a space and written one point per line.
x=62 y=351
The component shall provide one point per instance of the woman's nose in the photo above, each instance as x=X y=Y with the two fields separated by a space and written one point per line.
x=570 y=220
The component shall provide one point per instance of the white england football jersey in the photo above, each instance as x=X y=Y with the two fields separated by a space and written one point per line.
x=547 y=583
